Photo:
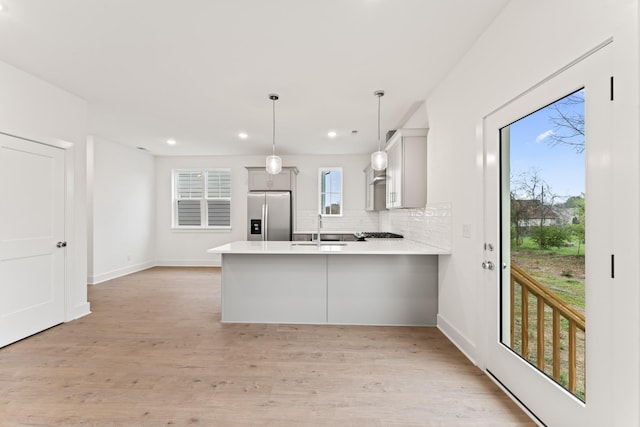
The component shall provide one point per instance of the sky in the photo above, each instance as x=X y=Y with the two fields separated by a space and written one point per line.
x=558 y=165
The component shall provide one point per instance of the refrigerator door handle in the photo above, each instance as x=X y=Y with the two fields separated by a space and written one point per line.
x=265 y=222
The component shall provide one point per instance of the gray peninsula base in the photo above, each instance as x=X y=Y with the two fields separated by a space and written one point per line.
x=330 y=289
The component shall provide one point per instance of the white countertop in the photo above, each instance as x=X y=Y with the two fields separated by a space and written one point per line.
x=370 y=247
x=324 y=231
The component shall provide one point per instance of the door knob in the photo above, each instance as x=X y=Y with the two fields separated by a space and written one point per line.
x=488 y=265
x=61 y=244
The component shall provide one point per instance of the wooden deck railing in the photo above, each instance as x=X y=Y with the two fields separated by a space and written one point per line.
x=560 y=310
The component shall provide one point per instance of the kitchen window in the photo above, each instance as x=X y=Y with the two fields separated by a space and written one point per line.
x=330 y=190
x=202 y=199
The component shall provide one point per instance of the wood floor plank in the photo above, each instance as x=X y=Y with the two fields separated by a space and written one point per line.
x=153 y=353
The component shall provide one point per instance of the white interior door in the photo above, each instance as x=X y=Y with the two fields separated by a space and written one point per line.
x=547 y=397
x=32 y=246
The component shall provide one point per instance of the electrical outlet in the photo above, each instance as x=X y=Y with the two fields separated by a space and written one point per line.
x=466 y=231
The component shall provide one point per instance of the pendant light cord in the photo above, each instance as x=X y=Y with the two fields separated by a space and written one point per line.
x=379 y=121
x=273 y=151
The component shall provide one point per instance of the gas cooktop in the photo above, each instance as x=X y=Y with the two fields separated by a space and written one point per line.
x=378 y=235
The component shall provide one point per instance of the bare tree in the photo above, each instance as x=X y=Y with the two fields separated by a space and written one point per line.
x=519 y=217
x=532 y=200
x=568 y=121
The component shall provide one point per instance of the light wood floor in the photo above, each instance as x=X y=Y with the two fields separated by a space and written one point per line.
x=153 y=353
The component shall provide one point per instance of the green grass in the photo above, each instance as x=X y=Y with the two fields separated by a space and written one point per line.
x=556 y=269
x=570 y=291
x=530 y=245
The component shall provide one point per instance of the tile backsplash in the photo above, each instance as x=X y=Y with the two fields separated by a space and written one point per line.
x=430 y=225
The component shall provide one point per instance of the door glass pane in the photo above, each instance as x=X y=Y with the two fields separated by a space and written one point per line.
x=543 y=244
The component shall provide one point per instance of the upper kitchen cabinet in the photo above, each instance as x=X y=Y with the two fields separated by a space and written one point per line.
x=407 y=169
x=260 y=180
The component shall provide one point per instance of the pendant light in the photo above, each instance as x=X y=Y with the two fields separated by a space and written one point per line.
x=379 y=158
x=274 y=163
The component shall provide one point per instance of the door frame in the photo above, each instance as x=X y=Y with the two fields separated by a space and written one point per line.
x=483 y=161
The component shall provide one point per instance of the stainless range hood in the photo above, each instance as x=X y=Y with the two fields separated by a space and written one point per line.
x=379 y=176
x=376 y=189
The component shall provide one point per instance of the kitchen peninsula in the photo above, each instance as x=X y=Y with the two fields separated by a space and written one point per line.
x=380 y=282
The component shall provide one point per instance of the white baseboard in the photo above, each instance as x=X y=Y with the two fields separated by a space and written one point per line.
x=188 y=263
x=467 y=347
x=103 y=277
x=78 y=311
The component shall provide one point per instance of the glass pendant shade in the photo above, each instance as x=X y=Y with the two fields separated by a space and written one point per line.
x=379 y=160
x=274 y=165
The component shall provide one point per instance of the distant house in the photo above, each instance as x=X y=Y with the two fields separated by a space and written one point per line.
x=532 y=213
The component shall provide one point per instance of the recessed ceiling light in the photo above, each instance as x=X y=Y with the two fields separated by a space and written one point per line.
x=171 y=141
x=3 y=8
x=332 y=134
x=243 y=135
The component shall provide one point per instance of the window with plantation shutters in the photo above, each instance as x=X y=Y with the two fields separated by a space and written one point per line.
x=202 y=198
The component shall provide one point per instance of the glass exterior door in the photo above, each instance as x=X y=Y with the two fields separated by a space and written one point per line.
x=547 y=231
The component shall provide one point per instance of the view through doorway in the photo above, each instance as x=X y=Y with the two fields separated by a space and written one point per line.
x=543 y=200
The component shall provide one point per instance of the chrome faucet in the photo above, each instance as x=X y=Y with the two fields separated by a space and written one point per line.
x=319 y=227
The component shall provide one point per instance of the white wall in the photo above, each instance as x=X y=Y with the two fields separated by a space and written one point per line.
x=34 y=109
x=526 y=43
x=178 y=247
x=354 y=218
x=123 y=208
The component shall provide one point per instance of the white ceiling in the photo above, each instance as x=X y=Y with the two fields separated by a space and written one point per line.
x=199 y=71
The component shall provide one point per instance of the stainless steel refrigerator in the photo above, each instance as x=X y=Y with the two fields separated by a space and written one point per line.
x=269 y=215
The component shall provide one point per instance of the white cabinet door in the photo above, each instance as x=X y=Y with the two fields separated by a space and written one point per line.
x=31 y=225
x=394 y=174
x=260 y=180
x=390 y=178
x=398 y=187
x=407 y=169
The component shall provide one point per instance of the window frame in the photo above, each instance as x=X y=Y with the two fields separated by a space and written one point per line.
x=321 y=193
x=204 y=199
